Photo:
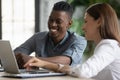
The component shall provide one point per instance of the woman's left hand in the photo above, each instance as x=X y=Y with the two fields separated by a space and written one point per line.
x=34 y=62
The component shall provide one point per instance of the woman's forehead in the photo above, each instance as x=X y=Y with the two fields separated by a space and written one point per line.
x=87 y=16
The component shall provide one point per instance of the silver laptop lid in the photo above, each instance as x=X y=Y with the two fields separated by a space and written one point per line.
x=7 y=57
x=9 y=63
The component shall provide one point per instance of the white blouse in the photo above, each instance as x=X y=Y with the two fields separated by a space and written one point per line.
x=103 y=65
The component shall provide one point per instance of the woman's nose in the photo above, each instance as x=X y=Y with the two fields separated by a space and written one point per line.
x=83 y=27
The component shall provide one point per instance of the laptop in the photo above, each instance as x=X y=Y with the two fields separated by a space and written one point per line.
x=11 y=68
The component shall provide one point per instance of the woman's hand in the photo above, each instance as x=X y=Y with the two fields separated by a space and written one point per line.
x=34 y=62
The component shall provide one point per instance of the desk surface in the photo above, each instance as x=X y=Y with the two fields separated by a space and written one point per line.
x=44 y=78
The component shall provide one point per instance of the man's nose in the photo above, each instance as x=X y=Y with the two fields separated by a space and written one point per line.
x=54 y=23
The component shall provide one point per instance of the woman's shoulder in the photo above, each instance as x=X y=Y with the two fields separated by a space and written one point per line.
x=108 y=44
x=109 y=41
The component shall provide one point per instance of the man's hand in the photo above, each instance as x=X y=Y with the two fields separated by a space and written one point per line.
x=22 y=59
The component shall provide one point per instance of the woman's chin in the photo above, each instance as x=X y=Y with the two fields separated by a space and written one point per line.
x=87 y=38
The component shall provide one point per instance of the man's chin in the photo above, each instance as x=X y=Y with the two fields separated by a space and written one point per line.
x=52 y=35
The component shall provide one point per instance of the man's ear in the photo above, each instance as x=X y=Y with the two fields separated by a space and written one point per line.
x=70 y=23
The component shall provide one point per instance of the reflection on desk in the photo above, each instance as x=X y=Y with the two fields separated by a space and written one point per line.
x=66 y=77
x=43 y=78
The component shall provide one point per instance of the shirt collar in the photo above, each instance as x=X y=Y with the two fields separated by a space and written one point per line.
x=64 y=39
x=61 y=42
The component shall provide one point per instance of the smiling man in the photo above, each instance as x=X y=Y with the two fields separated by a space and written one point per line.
x=58 y=45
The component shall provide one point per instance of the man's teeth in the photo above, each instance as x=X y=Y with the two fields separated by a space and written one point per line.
x=53 y=30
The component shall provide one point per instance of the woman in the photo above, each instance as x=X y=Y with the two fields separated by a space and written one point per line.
x=101 y=26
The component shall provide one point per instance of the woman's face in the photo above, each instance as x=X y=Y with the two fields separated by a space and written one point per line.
x=91 y=27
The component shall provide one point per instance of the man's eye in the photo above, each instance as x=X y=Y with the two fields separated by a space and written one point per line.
x=51 y=20
x=58 y=22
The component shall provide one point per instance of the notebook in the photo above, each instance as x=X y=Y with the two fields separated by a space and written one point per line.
x=10 y=65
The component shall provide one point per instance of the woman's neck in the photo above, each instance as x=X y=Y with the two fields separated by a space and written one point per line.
x=97 y=39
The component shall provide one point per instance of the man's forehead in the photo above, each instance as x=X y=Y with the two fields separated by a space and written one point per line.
x=59 y=13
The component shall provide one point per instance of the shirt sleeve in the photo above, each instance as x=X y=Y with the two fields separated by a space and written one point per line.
x=104 y=55
x=27 y=47
x=75 y=51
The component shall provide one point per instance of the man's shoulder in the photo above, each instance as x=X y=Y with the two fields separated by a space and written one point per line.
x=76 y=36
x=41 y=35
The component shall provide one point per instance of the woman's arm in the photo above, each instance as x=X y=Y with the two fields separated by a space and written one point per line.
x=35 y=62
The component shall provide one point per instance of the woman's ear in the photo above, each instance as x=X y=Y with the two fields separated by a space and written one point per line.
x=99 y=22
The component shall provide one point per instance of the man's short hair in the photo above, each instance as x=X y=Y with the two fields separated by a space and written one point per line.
x=63 y=6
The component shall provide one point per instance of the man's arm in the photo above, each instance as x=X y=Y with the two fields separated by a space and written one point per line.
x=58 y=59
x=23 y=58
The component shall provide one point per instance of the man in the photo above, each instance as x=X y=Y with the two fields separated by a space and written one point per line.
x=59 y=45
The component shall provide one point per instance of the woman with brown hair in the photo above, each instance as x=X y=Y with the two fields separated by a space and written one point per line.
x=101 y=26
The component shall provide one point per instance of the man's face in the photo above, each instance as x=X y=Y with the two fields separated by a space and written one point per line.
x=58 y=24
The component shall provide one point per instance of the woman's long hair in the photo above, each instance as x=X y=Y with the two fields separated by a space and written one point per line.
x=109 y=28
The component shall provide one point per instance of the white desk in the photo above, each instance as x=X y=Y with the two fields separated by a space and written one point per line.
x=44 y=78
